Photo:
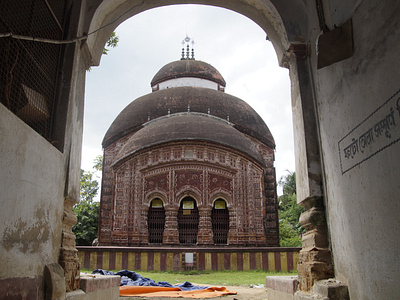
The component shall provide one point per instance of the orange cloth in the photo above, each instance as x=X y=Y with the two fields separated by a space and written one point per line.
x=158 y=291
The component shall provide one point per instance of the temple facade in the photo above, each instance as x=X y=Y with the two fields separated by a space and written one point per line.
x=188 y=165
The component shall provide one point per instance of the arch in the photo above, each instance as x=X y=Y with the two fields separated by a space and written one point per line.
x=286 y=23
x=220 y=195
x=220 y=221
x=283 y=22
x=153 y=195
x=185 y=192
x=188 y=220
x=156 y=221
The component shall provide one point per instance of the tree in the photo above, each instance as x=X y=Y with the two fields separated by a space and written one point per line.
x=290 y=229
x=98 y=163
x=289 y=183
x=112 y=42
x=87 y=210
x=89 y=186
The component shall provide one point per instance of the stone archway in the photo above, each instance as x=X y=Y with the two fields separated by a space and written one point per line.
x=332 y=106
x=267 y=14
x=288 y=33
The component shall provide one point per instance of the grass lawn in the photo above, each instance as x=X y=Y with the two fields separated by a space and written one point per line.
x=238 y=278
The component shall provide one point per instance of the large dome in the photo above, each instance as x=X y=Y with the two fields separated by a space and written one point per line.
x=193 y=99
x=188 y=68
x=188 y=127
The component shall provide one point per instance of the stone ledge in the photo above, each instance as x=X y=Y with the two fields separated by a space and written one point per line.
x=331 y=289
x=285 y=284
x=76 y=295
x=91 y=283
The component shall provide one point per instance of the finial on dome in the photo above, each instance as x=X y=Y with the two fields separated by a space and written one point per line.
x=186 y=41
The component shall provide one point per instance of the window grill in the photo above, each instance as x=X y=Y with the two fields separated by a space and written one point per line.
x=156 y=221
x=188 y=221
x=220 y=222
x=29 y=69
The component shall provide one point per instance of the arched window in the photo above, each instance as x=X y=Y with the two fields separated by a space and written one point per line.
x=220 y=222
x=188 y=221
x=156 y=221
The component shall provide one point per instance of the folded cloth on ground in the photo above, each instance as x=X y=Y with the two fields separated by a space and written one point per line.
x=173 y=292
x=131 y=278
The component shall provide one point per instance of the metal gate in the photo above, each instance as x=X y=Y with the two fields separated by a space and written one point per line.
x=156 y=222
x=188 y=221
x=220 y=222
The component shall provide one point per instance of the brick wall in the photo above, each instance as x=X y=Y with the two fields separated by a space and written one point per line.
x=204 y=171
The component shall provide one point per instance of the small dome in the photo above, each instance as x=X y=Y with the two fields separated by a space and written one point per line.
x=181 y=99
x=188 y=68
x=188 y=127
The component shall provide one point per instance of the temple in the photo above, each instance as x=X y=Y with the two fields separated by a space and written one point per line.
x=188 y=165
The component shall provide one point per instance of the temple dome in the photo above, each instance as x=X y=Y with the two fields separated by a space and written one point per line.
x=187 y=68
x=188 y=127
x=194 y=99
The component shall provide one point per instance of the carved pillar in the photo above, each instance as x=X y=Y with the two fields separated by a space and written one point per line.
x=171 y=234
x=205 y=234
x=143 y=226
x=68 y=252
x=232 y=234
x=271 y=222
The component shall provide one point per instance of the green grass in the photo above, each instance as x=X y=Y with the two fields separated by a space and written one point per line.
x=219 y=278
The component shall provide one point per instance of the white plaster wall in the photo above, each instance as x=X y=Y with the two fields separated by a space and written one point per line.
x=188 y=81
x=302 y=182
x=31 y=185
x=363 y=203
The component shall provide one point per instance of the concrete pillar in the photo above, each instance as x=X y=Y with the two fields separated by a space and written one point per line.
x=68 y=252
x=315 y=260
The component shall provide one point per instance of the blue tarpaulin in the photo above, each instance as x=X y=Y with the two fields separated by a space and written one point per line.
x=131 y=278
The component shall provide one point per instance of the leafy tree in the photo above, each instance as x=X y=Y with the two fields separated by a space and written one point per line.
x=87 y=210
x=290 y=229
x=112 y=42
x=289 y=183
x=98 y=163
x=89 y=186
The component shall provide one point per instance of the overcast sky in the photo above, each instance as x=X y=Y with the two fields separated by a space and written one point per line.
x=233 y=44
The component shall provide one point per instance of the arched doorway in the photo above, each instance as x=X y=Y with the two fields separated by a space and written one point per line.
x=220 y=222
x=156 y=221
x=188 y=221
x=295 y=28
x=288 y=34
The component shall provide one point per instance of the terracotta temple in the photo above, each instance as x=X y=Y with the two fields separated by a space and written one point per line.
x=188 y=165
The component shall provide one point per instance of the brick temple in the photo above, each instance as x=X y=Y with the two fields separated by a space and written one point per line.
x=188 y=165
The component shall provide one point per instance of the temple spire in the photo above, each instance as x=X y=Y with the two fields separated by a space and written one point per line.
x=189 y=55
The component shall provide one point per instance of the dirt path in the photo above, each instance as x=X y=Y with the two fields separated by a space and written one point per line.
x=243 y=293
